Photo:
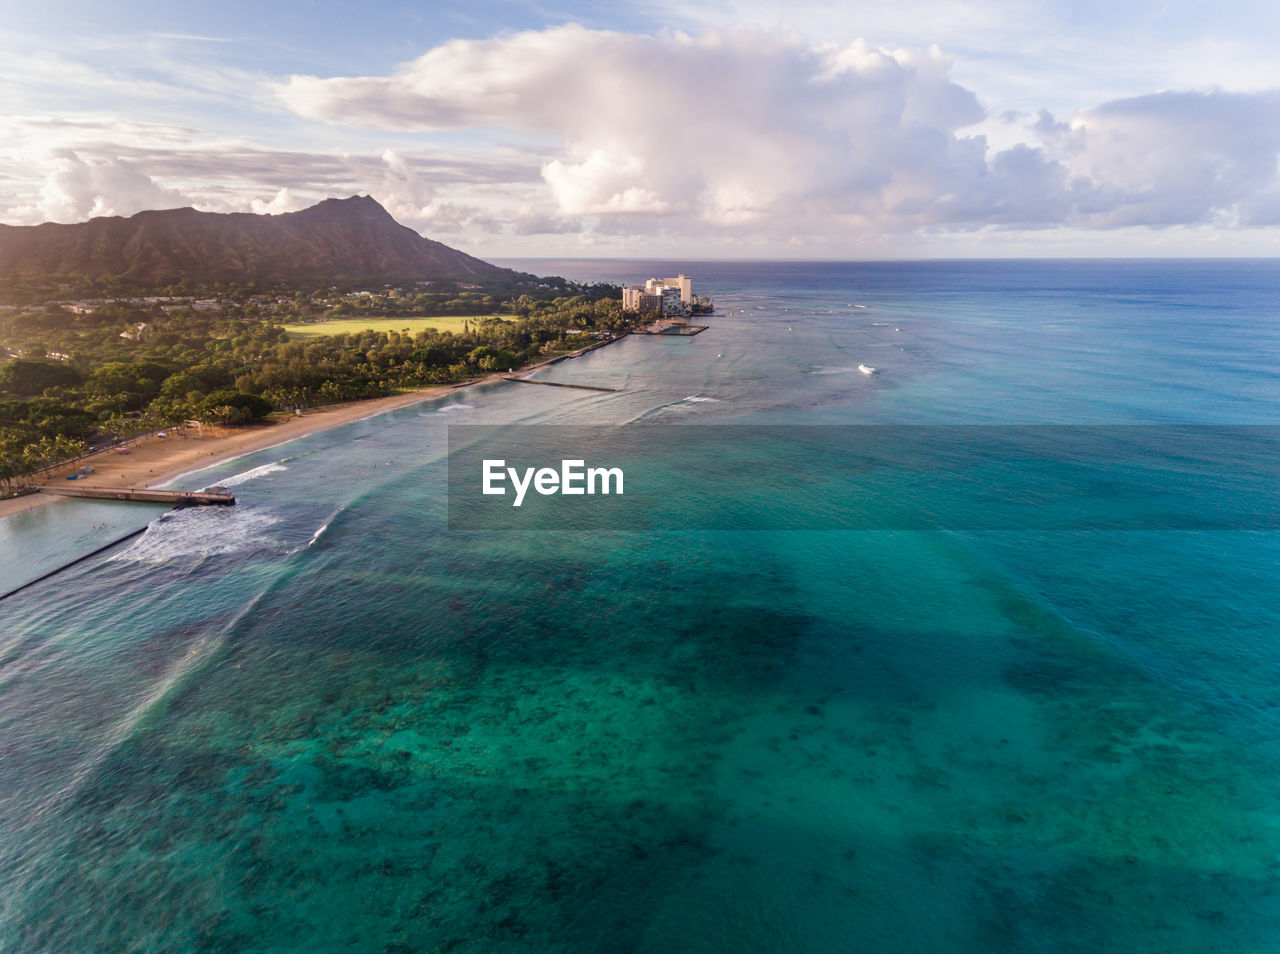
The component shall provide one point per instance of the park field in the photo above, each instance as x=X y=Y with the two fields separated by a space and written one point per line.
x=303 y=331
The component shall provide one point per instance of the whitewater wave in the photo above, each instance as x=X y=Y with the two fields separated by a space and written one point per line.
x=683 y=406
x=451 y=408
x=249 y=475
x=824 y=369
x=197 y=533
x=323 y=527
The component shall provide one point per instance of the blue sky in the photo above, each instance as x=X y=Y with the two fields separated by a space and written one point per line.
x=720 y=129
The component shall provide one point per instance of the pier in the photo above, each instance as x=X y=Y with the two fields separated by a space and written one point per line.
x=176 y=498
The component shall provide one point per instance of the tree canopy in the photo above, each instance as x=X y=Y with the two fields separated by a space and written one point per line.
x=83 y=377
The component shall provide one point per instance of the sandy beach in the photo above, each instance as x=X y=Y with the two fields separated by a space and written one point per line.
x=152 y=460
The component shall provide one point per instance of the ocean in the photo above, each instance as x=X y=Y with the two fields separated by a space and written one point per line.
x=327 y=719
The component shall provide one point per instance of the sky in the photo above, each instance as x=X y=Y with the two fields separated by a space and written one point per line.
x=665 y=128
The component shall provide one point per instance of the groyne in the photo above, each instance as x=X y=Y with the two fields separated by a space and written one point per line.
x=66 y=566
x=559 y=384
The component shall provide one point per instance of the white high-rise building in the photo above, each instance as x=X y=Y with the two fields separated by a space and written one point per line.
x=669 y=297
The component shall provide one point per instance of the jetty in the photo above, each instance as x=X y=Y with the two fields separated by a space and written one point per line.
x=176 y=498
x=70 y=563
x=558 y=384
x=217 y=497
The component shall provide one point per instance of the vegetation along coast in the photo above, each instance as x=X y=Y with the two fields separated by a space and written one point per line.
x=225 y=345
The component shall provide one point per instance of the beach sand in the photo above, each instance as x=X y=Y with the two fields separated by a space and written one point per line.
x=154 y=460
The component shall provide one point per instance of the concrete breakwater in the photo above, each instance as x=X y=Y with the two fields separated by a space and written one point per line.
x=179 y=498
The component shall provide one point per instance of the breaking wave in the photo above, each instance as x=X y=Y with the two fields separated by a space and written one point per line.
x=249 y=475
x=822 y=369
x=197 y=533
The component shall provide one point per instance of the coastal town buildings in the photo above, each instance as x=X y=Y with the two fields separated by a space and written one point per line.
x=668 y=297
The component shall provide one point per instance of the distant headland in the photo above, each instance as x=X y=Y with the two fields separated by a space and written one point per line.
x=352 y=239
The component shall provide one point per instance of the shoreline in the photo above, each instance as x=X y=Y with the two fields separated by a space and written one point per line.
x=153 y=461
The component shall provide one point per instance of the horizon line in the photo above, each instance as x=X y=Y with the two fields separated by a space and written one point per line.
x=891 y=261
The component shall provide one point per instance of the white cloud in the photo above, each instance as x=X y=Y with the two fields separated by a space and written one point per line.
x=72 y=167
x=673 y=134
x=402 y=191
x=741 y=139
x=282 y=201
x=729 y=128
x=1175 y=158
x=74 y=189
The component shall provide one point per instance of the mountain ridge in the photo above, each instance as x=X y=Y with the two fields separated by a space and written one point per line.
x=347 y=239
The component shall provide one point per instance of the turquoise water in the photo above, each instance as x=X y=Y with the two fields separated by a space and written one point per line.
x=323 y=720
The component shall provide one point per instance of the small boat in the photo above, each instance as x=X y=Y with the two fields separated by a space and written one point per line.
x=866 y=370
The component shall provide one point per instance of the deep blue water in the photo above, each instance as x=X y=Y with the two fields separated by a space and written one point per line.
x=324 y=720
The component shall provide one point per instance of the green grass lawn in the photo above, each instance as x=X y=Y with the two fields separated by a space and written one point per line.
x=302 y=331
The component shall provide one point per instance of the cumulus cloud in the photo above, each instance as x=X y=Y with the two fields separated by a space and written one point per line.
x=746 y=139
x=412 y=198
x=744 y=130
x=402 y=191
x=71 y=168
x=728 y=128
x=74 y=189
x=1174 y=158
x=282 y=201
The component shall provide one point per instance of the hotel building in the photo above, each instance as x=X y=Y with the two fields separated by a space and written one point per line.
x=668 y=297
